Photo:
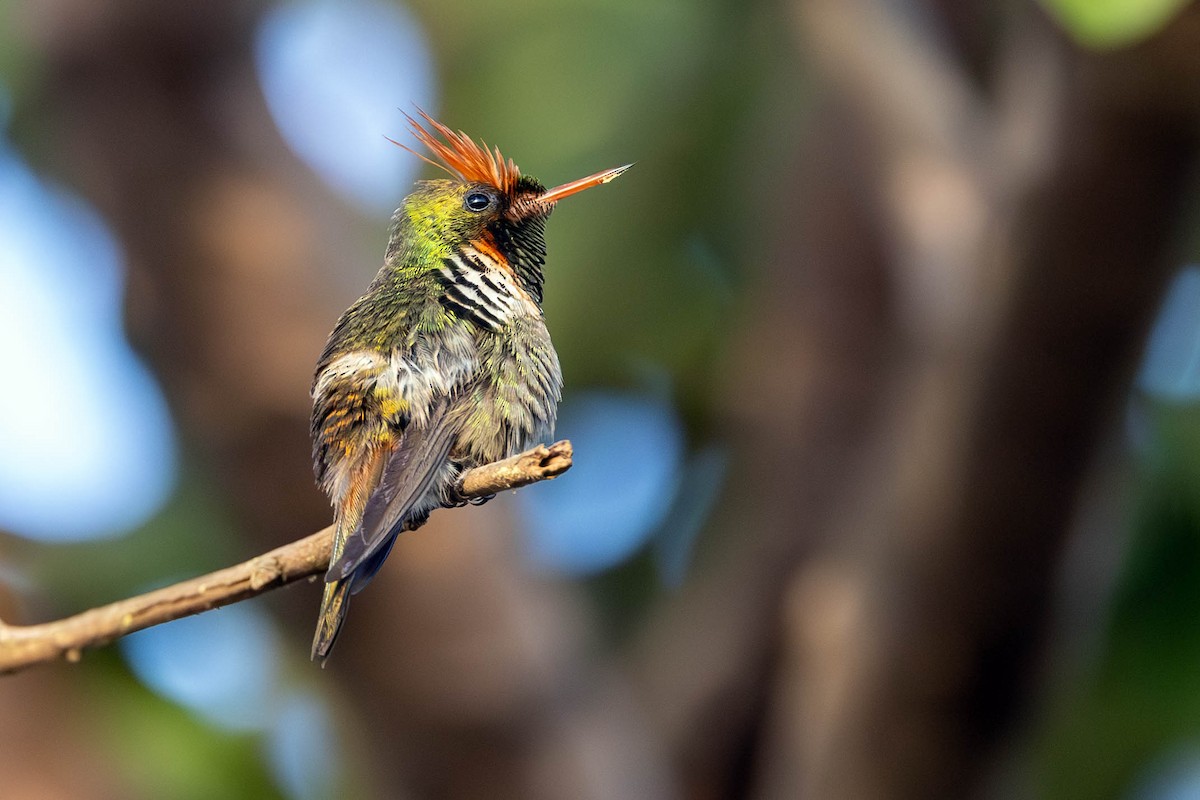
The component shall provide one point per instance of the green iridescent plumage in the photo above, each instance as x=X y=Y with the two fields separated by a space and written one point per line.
x=444 y=364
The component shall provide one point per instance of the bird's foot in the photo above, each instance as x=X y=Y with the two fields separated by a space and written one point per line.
x=454 y=498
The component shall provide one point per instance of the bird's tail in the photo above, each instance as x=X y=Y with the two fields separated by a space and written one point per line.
x=334 y=605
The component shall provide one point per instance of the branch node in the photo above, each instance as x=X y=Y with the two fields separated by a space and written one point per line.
x=267 y=570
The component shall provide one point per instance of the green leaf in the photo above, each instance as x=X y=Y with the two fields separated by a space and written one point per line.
x=1112 y=23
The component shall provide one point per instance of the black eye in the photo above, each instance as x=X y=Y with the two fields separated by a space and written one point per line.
x=477 y=201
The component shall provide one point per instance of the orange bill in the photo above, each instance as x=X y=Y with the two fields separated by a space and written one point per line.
x=567 y=189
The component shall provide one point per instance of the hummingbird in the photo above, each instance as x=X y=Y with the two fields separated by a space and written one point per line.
x=444 y=364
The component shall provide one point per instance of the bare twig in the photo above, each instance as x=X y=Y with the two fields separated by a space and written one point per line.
x=24 y=646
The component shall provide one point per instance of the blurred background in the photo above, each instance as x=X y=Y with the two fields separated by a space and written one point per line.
x=883 y=375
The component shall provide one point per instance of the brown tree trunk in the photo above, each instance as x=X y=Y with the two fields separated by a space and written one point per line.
x=869 y=629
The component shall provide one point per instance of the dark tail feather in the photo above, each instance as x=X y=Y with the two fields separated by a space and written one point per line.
x=334 y=605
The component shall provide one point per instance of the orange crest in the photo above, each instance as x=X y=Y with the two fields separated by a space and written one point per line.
x=460 y=156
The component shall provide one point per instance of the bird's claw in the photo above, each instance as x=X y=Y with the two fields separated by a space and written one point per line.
x=455 y=498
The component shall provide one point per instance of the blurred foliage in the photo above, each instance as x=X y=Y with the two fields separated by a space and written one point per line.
x=1113 y=23
x=1141 y=697
x=164 y=751
x=18 y=61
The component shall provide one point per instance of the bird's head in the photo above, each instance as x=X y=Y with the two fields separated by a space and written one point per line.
x=486 y=203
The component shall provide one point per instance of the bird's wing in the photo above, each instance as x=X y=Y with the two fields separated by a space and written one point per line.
x=411 y=472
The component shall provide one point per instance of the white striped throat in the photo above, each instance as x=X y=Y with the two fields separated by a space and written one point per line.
x=481 y=289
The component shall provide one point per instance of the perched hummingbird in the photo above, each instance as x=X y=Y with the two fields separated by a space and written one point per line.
x=444 y=364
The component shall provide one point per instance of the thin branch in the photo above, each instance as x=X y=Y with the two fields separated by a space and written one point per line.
x=24 y=646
